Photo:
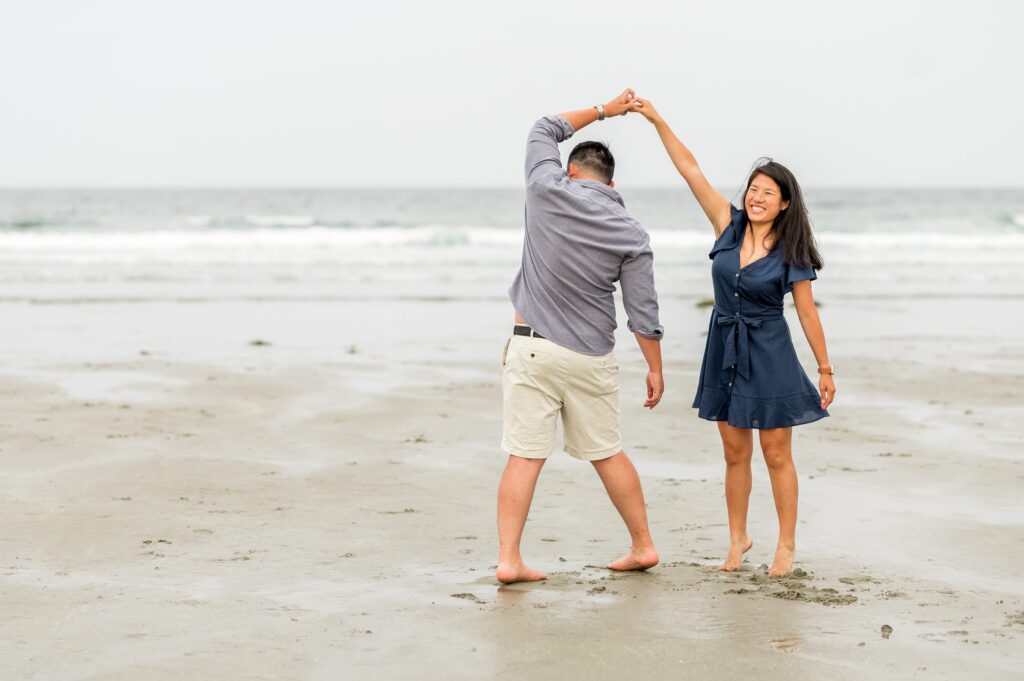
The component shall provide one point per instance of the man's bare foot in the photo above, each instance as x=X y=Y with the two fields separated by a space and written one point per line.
x=636 y=560
x=735 y=558
x=783 y=563
x=508 y=573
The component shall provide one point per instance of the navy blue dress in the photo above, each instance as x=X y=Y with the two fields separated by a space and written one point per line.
x=751 y=376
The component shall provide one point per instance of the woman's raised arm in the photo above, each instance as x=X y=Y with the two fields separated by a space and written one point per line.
x=715 y=206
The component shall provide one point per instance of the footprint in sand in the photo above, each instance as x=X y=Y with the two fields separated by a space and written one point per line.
x=786 y=645
x=861 y=579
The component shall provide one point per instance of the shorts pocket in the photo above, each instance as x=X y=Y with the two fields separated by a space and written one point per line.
x=532 y=358
x=531 y=354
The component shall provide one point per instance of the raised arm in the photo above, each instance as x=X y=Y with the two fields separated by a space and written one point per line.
x=542 y=155
x=715 y=206
x=619 y=106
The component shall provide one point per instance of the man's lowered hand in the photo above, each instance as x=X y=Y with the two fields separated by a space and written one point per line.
x=655 y=388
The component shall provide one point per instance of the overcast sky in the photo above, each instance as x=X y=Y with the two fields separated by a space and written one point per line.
x=345 y=93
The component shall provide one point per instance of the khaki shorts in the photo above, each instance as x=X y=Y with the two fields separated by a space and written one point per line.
x=542 y=380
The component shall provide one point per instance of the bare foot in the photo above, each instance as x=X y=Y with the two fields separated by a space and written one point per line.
x=517 y=572
x=735 y=558
x=783 y=563
x=636 y=560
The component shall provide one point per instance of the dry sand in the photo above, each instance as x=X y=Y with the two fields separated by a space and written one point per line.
x=181 y=503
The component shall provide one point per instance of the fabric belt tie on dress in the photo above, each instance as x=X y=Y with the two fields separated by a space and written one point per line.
x=737 y=345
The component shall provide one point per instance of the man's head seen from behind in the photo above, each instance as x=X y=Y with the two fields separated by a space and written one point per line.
x=592 y=161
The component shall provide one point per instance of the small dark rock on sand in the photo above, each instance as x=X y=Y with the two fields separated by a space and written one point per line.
x=259 y=343
x=886 y=631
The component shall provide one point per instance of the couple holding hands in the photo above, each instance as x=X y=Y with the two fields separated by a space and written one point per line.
x=579 y=241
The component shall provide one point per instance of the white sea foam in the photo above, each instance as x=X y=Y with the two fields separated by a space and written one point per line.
x=437 y=236
x=164 y=241
x=280 y=220
x=447 y=256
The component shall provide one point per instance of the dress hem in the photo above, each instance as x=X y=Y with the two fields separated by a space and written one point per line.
x=817 y=417
x=760 y=413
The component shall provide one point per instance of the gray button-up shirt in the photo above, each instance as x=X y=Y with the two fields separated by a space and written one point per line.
x=579 y=241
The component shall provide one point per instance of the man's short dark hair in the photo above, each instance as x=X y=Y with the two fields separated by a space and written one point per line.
x=595 y=158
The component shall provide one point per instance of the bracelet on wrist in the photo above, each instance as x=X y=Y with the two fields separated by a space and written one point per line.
x=829 y=369
x=600 y=111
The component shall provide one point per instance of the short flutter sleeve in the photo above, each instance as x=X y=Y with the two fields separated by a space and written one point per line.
x=797 y=273
x=733 y=231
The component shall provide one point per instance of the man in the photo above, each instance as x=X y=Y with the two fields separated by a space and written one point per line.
x=579 y=241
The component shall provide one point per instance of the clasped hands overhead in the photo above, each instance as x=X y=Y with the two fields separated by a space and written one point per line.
x=628 y=102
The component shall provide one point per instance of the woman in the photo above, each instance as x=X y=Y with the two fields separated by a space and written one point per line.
x=751 y=378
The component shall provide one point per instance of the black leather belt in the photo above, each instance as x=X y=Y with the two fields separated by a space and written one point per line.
x=523 y=330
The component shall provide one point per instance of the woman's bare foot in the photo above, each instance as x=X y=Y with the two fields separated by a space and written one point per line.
x=735 y=558
x=636 y=560
x=783 y=563
x=508 y=573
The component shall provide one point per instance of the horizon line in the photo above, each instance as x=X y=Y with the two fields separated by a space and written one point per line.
x=464 y=187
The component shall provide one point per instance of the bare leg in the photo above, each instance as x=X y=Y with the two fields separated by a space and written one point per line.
x=738 y=447
x=515 y=493
x=623 y=487
x=777 y=446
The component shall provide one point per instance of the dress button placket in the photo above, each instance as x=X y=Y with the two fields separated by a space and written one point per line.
x=737 y=295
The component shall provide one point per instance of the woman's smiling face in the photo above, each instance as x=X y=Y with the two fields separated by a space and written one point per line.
x=764 y=200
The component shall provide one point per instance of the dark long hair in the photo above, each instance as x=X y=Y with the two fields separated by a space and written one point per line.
x=792 y=228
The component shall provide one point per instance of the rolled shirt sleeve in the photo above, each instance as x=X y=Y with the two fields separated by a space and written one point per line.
x=639 y=297
x=542 y=156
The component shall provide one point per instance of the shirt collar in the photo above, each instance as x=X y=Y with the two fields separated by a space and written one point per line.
x=603 y=188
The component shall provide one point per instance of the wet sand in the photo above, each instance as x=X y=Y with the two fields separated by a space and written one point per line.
x=181 y=500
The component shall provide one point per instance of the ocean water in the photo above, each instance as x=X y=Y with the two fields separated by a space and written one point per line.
x=459 y=243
